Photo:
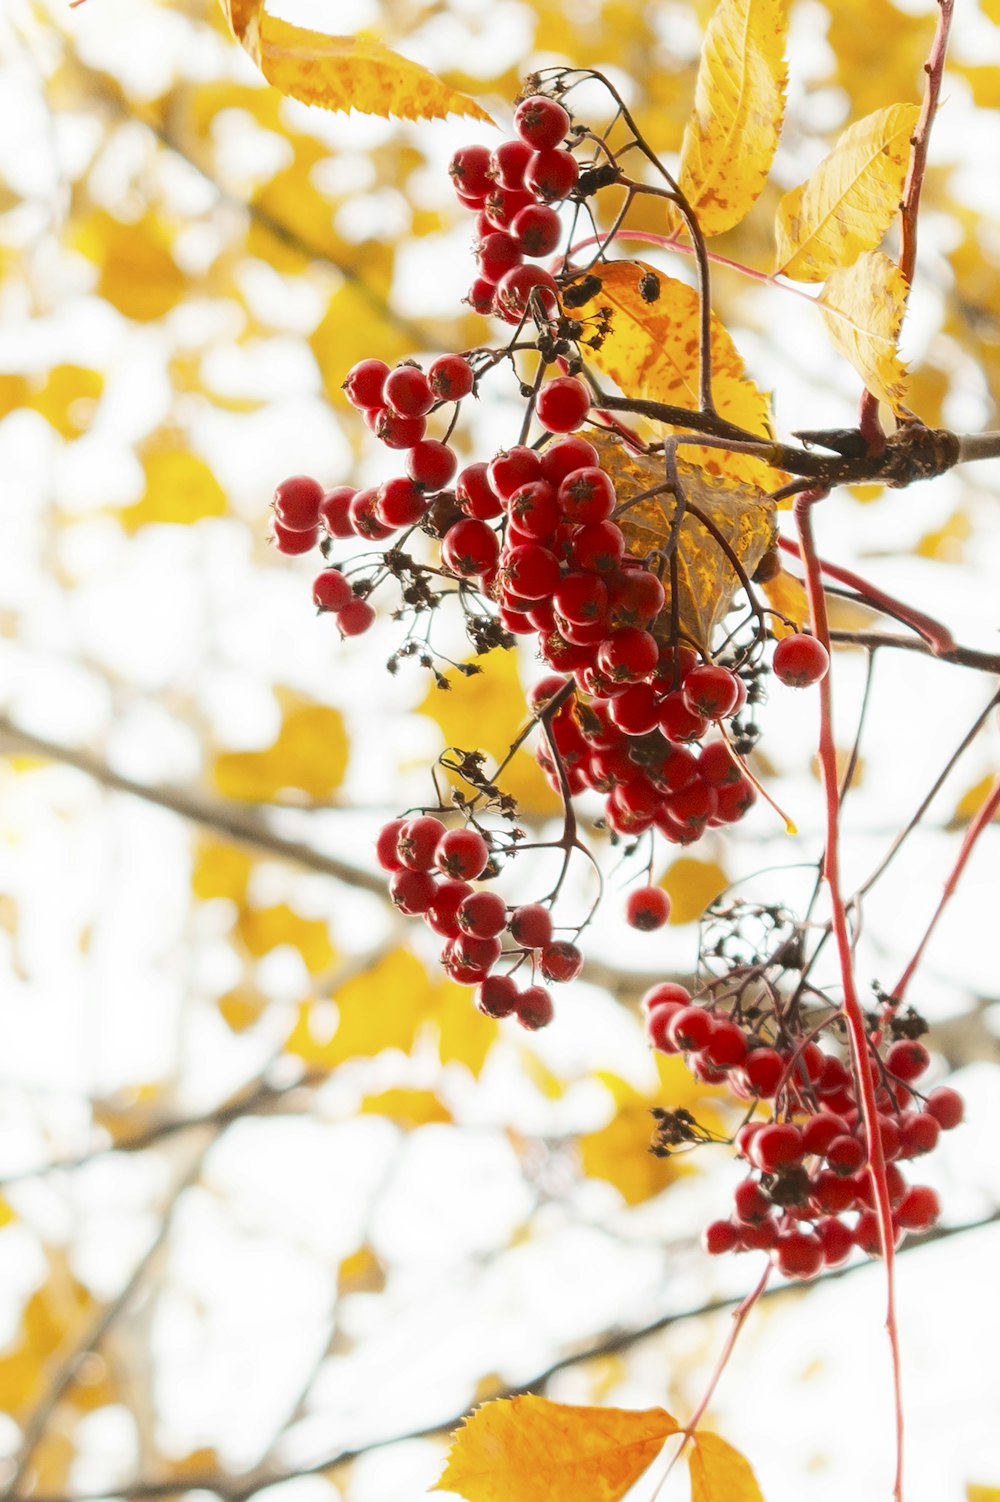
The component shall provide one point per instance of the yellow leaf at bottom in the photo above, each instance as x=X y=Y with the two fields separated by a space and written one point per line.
x=527 y=1449
x=721 y=1474
x=863 y=307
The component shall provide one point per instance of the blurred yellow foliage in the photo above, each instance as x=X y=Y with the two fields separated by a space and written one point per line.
x=309 y=756
x=262 y=929
x=691 y=885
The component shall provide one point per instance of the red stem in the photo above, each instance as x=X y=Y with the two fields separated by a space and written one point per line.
x=936 y=635
x=983 y=818
x=851 y=1006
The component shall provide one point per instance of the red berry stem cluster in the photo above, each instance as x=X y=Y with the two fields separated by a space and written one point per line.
x=809 y=1197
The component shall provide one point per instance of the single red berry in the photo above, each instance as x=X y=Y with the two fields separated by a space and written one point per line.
x=431 y=464
x=720 y=1236
x=568 y=454
x=533 y=511
x=386 y=852
x=727 y=1044
x=693 y=806
x=507 y=163
x=837 y=1240
x=297 y=502
x=562 y=404
x=587 y=495
x=354 y=618
x=946 y=1106
x=527 y=289
x=480 y=296
x=291 y=543
x=634 y=711
x=531 y=571
x=832 y=1192
x=581 y=597
x=552 y=175
x=666 y=991
x=800 y=661
x=497 y=996
x=691 y=1028
x=907 y=1059
x=513 y=468
x=777 y=1146
x=534 y=1008
x=469 y=548
x=334 y=511
x=365 y=382
x=647 y=908
x=658 y=1026
x=472 y=952
x=561 y=961
x=798 y=1254
x=483 y=915
x=628 y=656
x=462 y=853
x=820 y=1130
x=399 y=432
x=750 y=1202
x=919 y=1209
x=918 y=1134
x=711 y=691
x=536 y=228
x=717 y=765
x=400 y=503
x=678 y=770
x=364 y=517
x=760 y=1237
x=475 y=494
x=418 y=840
x=331 y=590
x=408 y=392
x=636 y=598
x=541 y=122
x=503 y=205
x=598 y=546
x=762 y=1070
x=468 y=170
x=412 y=891
x=531 y=926
x=450 y=378
x=679 y=722
x=846 y=1155
x=497 y=254
x=442 y=915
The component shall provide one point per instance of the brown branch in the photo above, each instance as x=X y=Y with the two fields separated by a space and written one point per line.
x=965 y=657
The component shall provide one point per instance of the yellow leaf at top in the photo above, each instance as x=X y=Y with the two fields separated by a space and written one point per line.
x=863 y=307
x=342 y=73
x=485 y=713
x=850 y=200
x=691 y=885
x=739 y=105
x=180 y=490
x=719 y=1473
x=309 y=756
x=527 y=1449
x=652 y=352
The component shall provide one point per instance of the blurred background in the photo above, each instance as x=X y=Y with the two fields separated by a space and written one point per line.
x=277 y=1204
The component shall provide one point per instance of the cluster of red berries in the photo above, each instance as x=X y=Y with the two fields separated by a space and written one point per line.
x=433 y=869
x=512 y=190
x=809 y=1199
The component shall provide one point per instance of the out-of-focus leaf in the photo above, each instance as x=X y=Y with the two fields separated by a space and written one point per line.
x=180 y=490
x=972 y=801
x=351 y=328
x=241 y=1009
x=787 y=595
x=691 y=885
x=973 y=1492
x=739 y=104
x=652 y=352
x=946 y=544
x=262 y=929
x=68 y=398
x=408 y=1108
x=707 y=580
x=220 y=870
x=360 y=1272
x=863 y=308
x=383 y=1008
x=485 y=713
x=850 y=200
x=309 y=756
x=531 y=1450
x=342 y=73
x=719 y=1473
x=138 y=274
x=464 y=1035
x=51 y=1322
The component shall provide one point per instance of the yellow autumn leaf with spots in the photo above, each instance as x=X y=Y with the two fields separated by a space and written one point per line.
x=739 y=104
x=787 y=595
x=137 y=271
x=342 y=73
x=262 y=929
x=691 y=884
x=863 y=308
x=851 y=199
x=653 y=353
x=181 y=489
x=309 y=756
x=526 y=1449
x=719 y=1473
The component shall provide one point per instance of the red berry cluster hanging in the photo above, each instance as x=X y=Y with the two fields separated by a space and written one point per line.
x=809 y=1198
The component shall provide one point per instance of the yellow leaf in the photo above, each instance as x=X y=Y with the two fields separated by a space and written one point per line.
x=360 y=1272
x=946 y=544
x=180 y=490
x=527 y=1449
x=342 y=73
x=68 y=398
x=973 y=1492
x=787 y=595
x=850 y=200
x=352 y=327
x=863 y=307
x=138 y=275
x=652 y=352
x=14 y=390
x=485 y=713
x=6 y=1213
x=706 y=578
x=383 y=1008
x=51 y=1323
x=262 y=929
x=241 y=1009
x=408 y=1108
x=220 y=870
x=739 y=104
x=972 y=801
x=691 y=885
x=465 y=1036
x=309 y=756
x=719 y=1473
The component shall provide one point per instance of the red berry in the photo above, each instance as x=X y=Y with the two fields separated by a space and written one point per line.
x=537 y=228
x=918 y=1134
x=750 y=1202
x=534 y=1008
x=727 y=1044
x=562 y=404
x=658 y=1026
x=777 y=1146
x=400 y=503
x=837 y=1241
x=431 y=464
x=666 y=991
x=561 y=961
x=442 y=915
x=568 y=454
x=763 y=1069
x=552 y=174
x=418 y=839
x=412 y=891
x=720 y=1236
x=497 y=254
x=364 y=383
x=919 y=1209
x=468 y=170
x=354 y=618
x=846 y=1155
x=541 y=122
x=364 y=518
x=386 y=852
x=907 y=1059
x=483 y=915
x=480 y=296
x=462 y=853
x=408 y=392
x=475 y=495
x=798 y=1254
x=331 y=590
x=634 y=711
x=628 y=656
x=513 y=468
x=647 y=908
x=399 y=432
x=693 y=806
x=820 y=1130
x=531 y=926
x=533 y=511
x=636 y=597
x=469 y=548
x=291 y=543
x=296 y=503
x=800 y=661
x=497 y=996
x=334 y=511
x=677 y=721
x=691 y=1028
x=946 y=1106
x=717 y=766
x=450 y=378
x=599 y=547
x=474 y=953
x=587 y=495
x=527 y=289
x=531 y=571
x=711 y=691
x=504 y=204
